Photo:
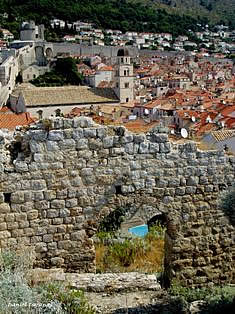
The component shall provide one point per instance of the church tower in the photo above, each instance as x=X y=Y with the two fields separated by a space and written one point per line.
x=124 y=79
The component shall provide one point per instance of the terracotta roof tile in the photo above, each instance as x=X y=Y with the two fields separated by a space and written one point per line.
x=9 y=120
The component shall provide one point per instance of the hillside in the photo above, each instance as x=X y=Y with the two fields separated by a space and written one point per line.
x=214 y=10
x=175 y=16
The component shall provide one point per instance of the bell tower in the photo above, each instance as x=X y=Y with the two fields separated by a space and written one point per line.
x=124 y=79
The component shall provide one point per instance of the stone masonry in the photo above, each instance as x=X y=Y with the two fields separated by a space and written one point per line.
x=60 y=177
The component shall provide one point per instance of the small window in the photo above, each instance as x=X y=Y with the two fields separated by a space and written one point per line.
x=117 y=85
x=122 y=60
x=126 y=59
x=34 y=76
x=125 y=72
x=7 y=197
x=127 y=99
x=126 y=85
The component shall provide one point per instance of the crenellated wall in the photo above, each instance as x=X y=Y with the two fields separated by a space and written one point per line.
x=59 y=178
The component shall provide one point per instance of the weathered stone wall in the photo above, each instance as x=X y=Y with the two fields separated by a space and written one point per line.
x=58 y=179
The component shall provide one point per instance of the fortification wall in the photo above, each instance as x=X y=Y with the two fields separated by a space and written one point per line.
x=79 y=49
x=59 y=178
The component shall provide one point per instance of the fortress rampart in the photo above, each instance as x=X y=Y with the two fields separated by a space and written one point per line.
x=60 y=177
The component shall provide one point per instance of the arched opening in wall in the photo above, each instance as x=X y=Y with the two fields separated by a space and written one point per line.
x=119 y=250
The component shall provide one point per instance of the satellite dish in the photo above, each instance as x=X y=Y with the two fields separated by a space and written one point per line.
x=184 y=133
x=146 y=111
x=100 y=113
x=193 y=119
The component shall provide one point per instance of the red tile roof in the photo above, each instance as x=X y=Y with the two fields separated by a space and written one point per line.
x=9 y=120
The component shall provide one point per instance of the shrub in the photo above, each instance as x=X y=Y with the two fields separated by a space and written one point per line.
x=216 y=299
x=18 y=297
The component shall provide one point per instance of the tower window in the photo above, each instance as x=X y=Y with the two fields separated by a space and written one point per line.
x=117 y=85
x=126 y=85
x=126 y=59
x=122 y=60
x=125 y=72
x=127 y=99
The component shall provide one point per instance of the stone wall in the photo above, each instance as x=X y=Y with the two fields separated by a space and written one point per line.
x=59 y=178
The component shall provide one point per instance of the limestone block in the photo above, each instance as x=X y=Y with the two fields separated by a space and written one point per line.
x=129 y=148
x=47 y=238
x=17 y=197
x=55 y=135
x=85 y=154
x=180 y=191
x=159 y=138
x=77 y=134
x=3 y=226
x=33 y=214
x=117 y=151
x=10 y=217
x=174 y=182
x=144 y=148
x=57 y=261
x=82 y=144
x=57 y=221
x=38 y=185
x=57 y=204
x=64 y=245
x=4 y=208
x=67 y=123
x=64 y=212
x=40 y=247
x=153 y=148
x=78 y=235
x=90 y=132
x=23 y=224
x=1 y=198
x=67 y=144
x=38 y=135
x=108 y=142
x=20 y=217
x=56 y=123
x=139 y=138
x=52 y=229
x=127 y=189
x=29 y=232
x=12 y=225
x=41 y=205
x=95 y=144
x=128 y=138
x=192 y=181
x=52 y=146
x=49 y=195
x=71 y=202
x=83 y=122
x=161 y=183
x=101 y=132
x=4 y=235
x=20 y=166
x=165 y=147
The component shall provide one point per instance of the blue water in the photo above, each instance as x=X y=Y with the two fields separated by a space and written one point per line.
x=139 y=231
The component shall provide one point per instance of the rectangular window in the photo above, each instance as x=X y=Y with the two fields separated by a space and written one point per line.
x=125 y=72
x=127 y=99
x=126 y=85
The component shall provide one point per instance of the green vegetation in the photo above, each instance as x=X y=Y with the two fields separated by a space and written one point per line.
x=65 y=73
x=216 y=300
x=135 y=254
x=114 y=14
x=18 y=295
